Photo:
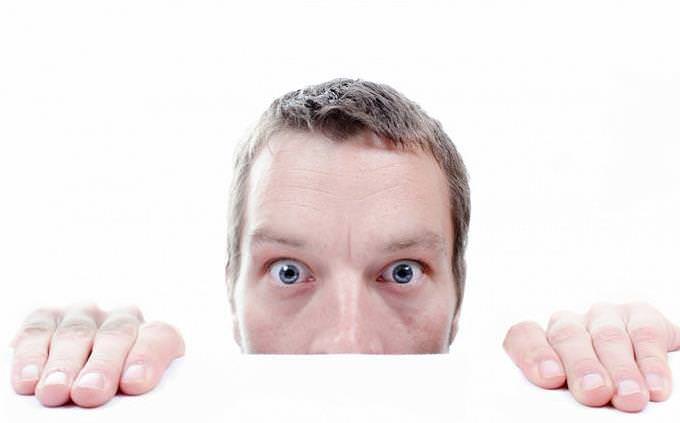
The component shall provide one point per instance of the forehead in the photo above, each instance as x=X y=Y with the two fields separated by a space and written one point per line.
x=303 y=182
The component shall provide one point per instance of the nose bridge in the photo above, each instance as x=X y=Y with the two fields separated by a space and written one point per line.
x=349 y=296
x=348 y=328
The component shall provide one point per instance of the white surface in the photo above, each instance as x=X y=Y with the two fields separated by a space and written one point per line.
x=213 y=385
x=116 y=127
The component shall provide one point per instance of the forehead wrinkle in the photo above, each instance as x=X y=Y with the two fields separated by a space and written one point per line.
x=265 y=235
x=426 y=239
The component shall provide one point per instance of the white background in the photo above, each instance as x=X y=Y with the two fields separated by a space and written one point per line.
x=117 y=123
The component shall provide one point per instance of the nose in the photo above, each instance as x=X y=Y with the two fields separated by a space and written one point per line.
x=349 y=323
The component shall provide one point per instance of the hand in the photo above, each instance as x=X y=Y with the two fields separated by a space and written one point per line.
x=81 y=352
x=612 y=353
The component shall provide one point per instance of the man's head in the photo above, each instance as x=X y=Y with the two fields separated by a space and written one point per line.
x=347 y=226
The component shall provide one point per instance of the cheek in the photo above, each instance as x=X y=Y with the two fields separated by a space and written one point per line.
x=269 y=324
x=428 y=323
x=259 y=332
x=423 y=333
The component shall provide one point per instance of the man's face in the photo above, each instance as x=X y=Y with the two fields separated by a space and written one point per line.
x=346 y=248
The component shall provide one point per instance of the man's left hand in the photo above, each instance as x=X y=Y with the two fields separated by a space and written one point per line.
x=614 y=352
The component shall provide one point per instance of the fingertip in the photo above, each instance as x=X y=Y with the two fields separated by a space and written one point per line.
x=92 y=389
x=593 y=393
x=534 y=373
x=24 y=377
x=24 y=387
x=550 y=374
x=631 y=403
x=598 y=397
x=137 y=379
x=157 y=345
x=659 y=387
x=53 y=389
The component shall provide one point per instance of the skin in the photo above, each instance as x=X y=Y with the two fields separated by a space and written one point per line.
x=346 y=201
x=359 y=198
x=79 y=354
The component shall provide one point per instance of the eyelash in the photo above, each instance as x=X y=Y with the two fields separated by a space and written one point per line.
x=426 y=269
x=268 y=265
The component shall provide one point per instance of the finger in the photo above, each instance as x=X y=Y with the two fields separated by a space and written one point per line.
x=615 y=351
x=652 y=337
x=674 y=330
x=157 y=345
x=587 y=379
x=31 y=347
x=69 y=348
x=528 y=347
x=97 y=381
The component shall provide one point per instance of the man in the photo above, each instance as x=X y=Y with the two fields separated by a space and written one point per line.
x=348 y=222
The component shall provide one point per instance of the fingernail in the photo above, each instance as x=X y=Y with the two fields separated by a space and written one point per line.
x=628 y=387
x=550 y=369
x=135 y=373
x=55 y=378
x=655 y=382
x=592 y=381
x=92 y=381
x=29 y=372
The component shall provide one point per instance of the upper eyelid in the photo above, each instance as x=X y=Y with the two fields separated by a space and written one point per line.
x=268 y=265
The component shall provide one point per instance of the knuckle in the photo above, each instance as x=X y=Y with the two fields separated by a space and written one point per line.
x=522 y=327
x=77 y=328
x=129 y=310
x=560 y=315
x=120 y=326
x=647 y=334
x=135 y=311
x=609 y=335
x=564 y=332
x=518 y=330
x=35 y=329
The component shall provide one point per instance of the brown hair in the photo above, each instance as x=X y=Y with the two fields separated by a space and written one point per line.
x=339 y=109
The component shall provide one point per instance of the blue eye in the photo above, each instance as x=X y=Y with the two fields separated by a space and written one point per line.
x=287 y=272
x=404 y=272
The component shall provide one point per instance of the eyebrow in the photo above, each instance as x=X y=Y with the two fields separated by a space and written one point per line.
x=425 y=238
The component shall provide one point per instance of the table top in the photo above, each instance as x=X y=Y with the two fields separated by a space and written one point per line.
x=464 y=385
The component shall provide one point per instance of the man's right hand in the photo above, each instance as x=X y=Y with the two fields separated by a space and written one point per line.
x=85 y=354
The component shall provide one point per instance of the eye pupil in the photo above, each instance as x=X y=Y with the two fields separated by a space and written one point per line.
x=288 y=274
x=402 y=273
